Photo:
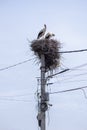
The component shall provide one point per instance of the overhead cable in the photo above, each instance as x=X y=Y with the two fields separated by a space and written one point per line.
x=68 y=90
x=68 y=69
x=16 y=100
x=14 y=65
x=74 y=51
x=69 y=81
x=20 y=95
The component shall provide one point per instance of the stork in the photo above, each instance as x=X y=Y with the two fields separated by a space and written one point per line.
x=49 y=35
x=42 y=32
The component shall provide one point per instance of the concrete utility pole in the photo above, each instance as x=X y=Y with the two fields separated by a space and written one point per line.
x=42 y=105
x=42 y=92
x=44 y=97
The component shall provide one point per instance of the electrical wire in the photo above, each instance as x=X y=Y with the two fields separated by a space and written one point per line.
x=84 y=93
x=68 y=90
x=74 y=51
x=14 y=65
x=21 y=95
x=69 y=77
x=13 y=97
x=70 y=81
x=16 y=100
x=50 y=76
x=67 y=69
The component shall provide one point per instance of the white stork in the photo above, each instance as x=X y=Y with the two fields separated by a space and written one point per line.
x=42 y=32
x=49 y=35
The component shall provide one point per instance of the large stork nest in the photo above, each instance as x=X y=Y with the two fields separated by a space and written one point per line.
x=50 y=49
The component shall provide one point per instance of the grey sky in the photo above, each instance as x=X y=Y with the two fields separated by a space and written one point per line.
x=22 y=19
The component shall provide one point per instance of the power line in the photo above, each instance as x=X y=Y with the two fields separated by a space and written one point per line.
x=58 y=73
x=16 y=100
x=74 y=76
x=74 y=51
x=14 y=65
x=68 y=69
x=68 y=90
x=79 y=66
x=20 y=95
x=70 y=77
x=70 y=81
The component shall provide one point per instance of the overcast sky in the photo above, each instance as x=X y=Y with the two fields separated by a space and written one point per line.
x=22 y=19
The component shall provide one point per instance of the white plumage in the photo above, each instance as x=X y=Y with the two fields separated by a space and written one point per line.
x=49 y=35
x=42 y=32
